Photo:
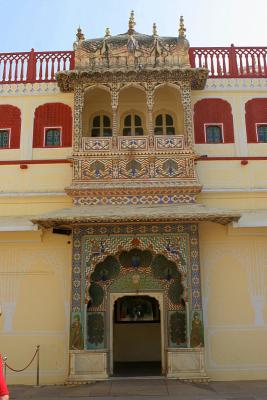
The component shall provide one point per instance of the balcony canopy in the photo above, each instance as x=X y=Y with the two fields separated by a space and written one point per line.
x=110 y=214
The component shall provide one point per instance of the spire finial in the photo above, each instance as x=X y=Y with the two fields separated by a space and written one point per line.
x=182 y=28
x=155 y=32
x=107 y=33
x=131 y=23
x=79 y=34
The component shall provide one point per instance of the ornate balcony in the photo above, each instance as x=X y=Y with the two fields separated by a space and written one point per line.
x=123 y=170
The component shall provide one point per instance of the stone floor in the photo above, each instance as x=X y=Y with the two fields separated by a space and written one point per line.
x=145 y=389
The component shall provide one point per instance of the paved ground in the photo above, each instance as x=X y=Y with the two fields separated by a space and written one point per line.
x=146 y=389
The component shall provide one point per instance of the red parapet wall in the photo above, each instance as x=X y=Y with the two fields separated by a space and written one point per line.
x=222 y=62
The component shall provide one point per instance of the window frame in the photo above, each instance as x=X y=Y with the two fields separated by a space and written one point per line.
x=220 y=124
x=257 y=135
x=46 y=128
x=9 y=138
x=133 y=113
x=164 y=126
x=101 y=114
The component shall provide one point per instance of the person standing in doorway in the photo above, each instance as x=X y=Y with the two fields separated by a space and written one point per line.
x=4 y=394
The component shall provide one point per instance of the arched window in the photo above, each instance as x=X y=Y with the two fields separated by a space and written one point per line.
x=213 y=121
x=10 y=124
x=256 y=120
x=101 y=126
x=52 y=125
x=164 y=125
x=132 y=125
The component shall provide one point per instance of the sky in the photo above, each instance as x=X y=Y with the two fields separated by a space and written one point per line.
x=51 y=24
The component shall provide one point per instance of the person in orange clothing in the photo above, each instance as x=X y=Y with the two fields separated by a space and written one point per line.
x=4 y=394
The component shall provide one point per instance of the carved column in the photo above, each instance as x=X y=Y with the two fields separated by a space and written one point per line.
x=187 y=105
x=115 y=89
x=78 y=108
x=150 y=103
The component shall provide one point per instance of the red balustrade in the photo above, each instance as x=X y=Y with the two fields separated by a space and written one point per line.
x=230 y=62
x=222 y=62
x=34 y=66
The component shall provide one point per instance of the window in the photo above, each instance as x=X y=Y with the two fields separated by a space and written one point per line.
x=52 y=137
x=262 y=133
x=54 y=116
x=164 y=125
x=132 y=125
x=214 y=134
x=101 y=126
x=4 y=138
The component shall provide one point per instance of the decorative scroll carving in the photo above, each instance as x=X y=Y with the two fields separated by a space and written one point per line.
x=96 y=144
x=197 y=77
x=169 y=142
x=134 y=143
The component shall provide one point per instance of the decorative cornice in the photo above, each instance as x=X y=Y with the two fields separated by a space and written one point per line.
x=197 y=76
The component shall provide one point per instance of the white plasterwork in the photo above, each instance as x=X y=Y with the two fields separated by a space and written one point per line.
x=16 y=89
x=236 y=84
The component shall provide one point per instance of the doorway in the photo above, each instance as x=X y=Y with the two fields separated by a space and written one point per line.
x=137 y=336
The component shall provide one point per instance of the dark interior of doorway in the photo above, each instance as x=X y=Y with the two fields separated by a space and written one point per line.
x=137 y=368
x=137 y=337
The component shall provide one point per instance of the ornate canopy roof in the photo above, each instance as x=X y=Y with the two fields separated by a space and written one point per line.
x=134 y=41
x=135 y=214
x=132 y=56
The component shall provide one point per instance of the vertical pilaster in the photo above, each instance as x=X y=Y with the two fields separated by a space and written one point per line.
x=27 y=108
x=78 y=108
x=187 y=105
x=150 y=104
x=115 y=89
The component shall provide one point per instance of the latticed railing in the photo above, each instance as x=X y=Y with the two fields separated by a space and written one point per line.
x=222 y=62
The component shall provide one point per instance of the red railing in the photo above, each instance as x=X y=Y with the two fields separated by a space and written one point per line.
x=34 y=66
x=231 y=62
x=222 y=62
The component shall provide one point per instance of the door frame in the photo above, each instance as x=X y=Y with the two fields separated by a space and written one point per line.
x=159 y=296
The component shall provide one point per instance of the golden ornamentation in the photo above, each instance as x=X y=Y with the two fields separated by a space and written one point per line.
x=131 y=23
x=79 y=34
x=182 y=28
x=107 y=33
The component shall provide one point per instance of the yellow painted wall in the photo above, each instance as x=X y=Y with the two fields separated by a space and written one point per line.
x=27 y=98
x=35 y=266
x=234 y=281
x=35 y=278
